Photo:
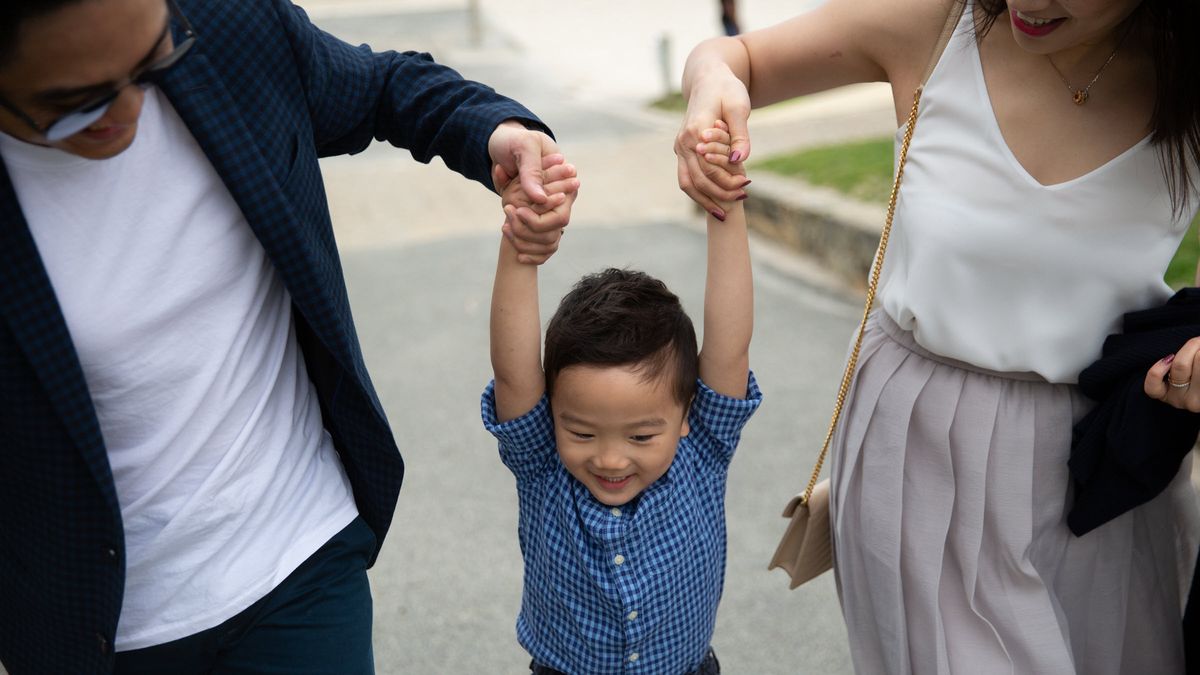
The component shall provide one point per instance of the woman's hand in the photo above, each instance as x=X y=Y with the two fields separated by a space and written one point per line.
x=715 y=93
x=1175 y=380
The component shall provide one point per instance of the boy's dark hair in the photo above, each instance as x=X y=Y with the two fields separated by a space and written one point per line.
x=621 y=317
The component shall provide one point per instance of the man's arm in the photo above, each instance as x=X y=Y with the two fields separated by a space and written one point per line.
x=356 y=95
x=729 y=289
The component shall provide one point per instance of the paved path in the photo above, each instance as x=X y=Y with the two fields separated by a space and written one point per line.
x=419 y=249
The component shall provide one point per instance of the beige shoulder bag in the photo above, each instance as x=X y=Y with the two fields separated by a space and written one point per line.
x=806 y=549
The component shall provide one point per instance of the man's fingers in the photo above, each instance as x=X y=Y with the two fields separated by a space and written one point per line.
x=529 y=167
x=500 y=177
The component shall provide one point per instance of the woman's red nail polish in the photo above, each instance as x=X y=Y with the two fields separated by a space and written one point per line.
x=735 y=156
x=1168 y=359
x=748 y=181
x=742 y=196
x=718 y=215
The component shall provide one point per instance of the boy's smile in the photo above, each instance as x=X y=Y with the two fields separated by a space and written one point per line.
x=616 y=432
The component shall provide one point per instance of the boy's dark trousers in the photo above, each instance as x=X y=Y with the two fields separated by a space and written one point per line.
x=710 y=666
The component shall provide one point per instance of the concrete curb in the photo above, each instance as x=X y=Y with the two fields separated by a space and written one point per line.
x=839 y=233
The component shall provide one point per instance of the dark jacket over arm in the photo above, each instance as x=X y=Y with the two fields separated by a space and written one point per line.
x=1129 y=447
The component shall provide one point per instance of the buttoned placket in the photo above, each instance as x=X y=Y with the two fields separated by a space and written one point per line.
x=626 y=574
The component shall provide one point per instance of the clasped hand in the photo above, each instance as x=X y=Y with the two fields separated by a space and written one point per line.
x=709 y=183
x=537 y=189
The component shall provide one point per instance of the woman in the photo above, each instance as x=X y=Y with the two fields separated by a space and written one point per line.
x=1050 y=180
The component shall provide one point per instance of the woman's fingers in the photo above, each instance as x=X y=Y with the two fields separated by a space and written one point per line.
x=1175 y=380
x=690 y=189
x=1156 y=386
x=708 y=184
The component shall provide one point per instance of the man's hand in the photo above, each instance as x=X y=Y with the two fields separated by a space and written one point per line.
x=541 y=208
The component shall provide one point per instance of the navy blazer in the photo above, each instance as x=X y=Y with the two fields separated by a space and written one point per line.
x=265 y=94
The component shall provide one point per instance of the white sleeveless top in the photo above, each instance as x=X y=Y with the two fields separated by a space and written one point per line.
x=990 y=267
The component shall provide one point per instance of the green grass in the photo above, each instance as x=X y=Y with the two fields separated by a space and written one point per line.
x=863 y=170
x=1182 y=270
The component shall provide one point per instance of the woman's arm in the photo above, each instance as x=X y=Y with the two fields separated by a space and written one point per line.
x=841 y=42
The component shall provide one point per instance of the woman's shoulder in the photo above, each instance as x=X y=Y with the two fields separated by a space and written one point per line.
x=905 y=34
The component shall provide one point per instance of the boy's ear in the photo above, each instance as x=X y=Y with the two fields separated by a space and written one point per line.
x=684 y=427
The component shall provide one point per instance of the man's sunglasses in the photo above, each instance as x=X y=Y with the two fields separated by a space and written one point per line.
x=85 y=115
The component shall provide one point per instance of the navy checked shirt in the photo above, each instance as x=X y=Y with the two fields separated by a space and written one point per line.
x=631 y=589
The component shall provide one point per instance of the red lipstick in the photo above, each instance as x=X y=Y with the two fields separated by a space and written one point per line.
x=1031 y=29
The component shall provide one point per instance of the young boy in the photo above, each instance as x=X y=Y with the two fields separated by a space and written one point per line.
x=620 y=451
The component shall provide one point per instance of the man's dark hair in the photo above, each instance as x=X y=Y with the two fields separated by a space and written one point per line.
x=624 y=318
x=13 y=13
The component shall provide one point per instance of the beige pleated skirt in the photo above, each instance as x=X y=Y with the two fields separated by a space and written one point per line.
x=952 y=554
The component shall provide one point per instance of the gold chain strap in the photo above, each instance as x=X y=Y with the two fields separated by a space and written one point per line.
x=876 y=267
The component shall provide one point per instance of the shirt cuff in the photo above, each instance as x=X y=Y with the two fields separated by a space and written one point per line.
x=720 y=419
x=526 y=442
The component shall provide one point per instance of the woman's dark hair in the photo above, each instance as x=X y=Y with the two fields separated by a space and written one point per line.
x=13 y=13
x=1176 y=52
x=624 y=318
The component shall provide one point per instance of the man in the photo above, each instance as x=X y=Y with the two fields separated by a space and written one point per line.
x=195 y=470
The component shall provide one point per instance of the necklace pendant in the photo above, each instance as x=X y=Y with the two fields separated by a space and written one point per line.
x=1080 y=97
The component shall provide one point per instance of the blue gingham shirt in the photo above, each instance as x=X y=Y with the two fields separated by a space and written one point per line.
x=632 y=589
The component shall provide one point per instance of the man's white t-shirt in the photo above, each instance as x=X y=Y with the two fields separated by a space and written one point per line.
x=226 y=477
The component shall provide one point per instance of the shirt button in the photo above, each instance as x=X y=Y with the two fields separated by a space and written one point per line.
x=632 y=615
x=615 y=511
x=619 y=560
x=111 y=553
x=633 y=657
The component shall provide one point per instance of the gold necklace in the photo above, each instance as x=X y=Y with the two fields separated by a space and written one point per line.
x=1080 y=96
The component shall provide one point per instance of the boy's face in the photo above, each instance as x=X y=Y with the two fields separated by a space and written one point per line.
x=616 y=432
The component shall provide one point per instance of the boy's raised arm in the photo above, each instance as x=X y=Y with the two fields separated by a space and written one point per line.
x=516 y=335
x=729 y=289
x=516 y=330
